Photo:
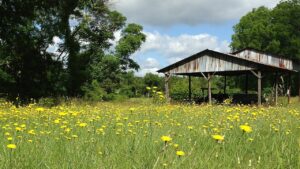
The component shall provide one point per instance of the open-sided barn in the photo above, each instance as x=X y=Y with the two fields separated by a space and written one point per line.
x=208 y=63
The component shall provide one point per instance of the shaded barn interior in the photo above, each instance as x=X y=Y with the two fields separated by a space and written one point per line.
x=209 y=63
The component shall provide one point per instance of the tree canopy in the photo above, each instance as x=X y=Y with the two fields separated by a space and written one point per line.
x=271 y=30
x=86 y=52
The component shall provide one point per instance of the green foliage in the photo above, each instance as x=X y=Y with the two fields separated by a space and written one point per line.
x=127 y=134
x=270 y=30
x=93 y=91
x=48 y=102
x=131 y=40
x=29 y=69
x=151 y=80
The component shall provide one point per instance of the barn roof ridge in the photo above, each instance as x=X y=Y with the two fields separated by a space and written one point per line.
x=262 y=52
x=201 y=53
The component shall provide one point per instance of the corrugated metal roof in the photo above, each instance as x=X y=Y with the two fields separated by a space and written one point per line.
x=221 y=62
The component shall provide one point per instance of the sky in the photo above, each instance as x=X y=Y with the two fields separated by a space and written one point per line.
x=176 y=29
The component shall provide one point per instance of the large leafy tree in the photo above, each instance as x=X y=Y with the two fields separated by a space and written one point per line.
x=91 y=55
x=271 y=30
x=26 y=30
x=86 y=29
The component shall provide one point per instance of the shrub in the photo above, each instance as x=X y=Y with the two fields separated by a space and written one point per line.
x=93 y=91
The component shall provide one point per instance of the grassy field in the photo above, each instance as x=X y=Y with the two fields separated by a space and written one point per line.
x=139 y=134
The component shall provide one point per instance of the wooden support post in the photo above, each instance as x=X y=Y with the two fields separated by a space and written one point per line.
x=190 y=89
x=259 y=88
x=299 y=86
x=246 y=84
x=167 y=78
x=289 y=89
x=259 y=77
x=225 y=84
x=276 y=88
x=209 y=88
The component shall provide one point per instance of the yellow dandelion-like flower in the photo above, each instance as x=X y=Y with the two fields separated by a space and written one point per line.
x=31 y=132
x=218 y=138
x=82 y=124
x=166 y=138
x=246 y=128
x=176 y=145
x=180 y=153
x=62 y=113
x=40 y=109
x=190 y=127
x=67 y=130
x=11 y=146
x=9 y=138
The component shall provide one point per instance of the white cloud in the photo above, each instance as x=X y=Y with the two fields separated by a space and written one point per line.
x=52 y=48
x=173 y=48
x=56 y=40
x=144 y=71
x=151 y=63
x=190 y=12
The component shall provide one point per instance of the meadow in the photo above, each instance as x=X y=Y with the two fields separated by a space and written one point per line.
x=141 y=134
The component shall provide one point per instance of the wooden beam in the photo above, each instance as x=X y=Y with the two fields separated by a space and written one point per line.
x=289 y=89
x=204 y=76
x=209 y=88
x=299 y=86
x=190 y=90
x=259 y=77
x=167 y=93
x=276 y=88
x=246 y=84
x=259 y=88
x=225 y=84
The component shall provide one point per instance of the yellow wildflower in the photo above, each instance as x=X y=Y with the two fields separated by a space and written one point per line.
x=176 y=145
x=218 y=137
x=83 y=124
x=11 y=146
x=180 y=153
x=246 y=128
x=40 y=109
x=166 y=138
x=18 y=129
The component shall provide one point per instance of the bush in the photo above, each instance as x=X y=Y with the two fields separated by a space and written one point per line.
x=48 y=102
x=93 y=91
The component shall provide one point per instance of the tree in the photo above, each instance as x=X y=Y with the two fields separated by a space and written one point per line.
x=91 y=55
x=270 y=30
x=152 y=80
x=25 y=34
x=86 y=54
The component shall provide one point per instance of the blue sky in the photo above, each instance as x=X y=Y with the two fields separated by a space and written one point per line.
x=176 y=29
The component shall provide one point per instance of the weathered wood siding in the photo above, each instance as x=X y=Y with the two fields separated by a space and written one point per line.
x=266 y=59
x=214 y=63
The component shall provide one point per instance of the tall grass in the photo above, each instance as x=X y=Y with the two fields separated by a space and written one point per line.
x=128 y=135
